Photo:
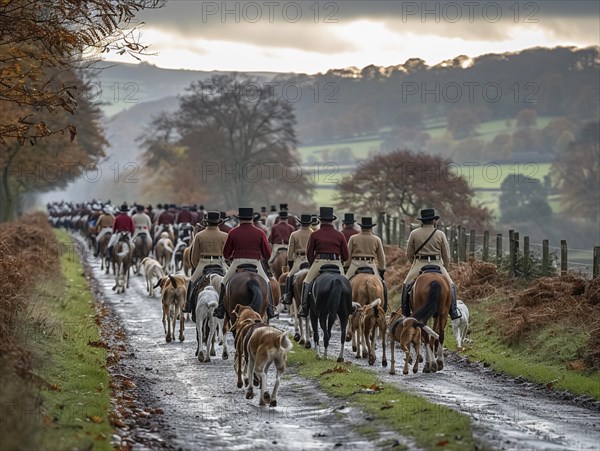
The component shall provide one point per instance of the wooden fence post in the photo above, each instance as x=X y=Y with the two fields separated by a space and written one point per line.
x=596 y=270
x=472 y=245
x=564 y=262
x=498 y=250
x=485 y=255
x=395 y=230
x=526 y=256
x=380 y=221
x=511 y=252
x=515 y=262
x=387 y=229
x=545 y=257
x=463 y=245
x=402 y=234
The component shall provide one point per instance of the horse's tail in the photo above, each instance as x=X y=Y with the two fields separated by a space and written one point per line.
x=335 y=296
x=430 y=308
x=257 y=299
x=372 y=294
x=173 y=281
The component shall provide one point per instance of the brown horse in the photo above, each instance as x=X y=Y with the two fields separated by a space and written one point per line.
x=365 y=289
x=102 y=246
x=243 y=288
x=431 y=297
x=142 y=248
x=302 y=327
x=279 y=262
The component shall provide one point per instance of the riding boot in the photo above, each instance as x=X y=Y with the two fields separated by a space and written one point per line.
x=220 y=310
x=96 y=249
x=304 y=309
x=405 y=304
x=188 y=302
x=385 y=296
x=109 y=252
x=454 y=313
x=287 y=297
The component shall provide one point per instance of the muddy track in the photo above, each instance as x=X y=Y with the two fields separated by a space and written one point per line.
x=184 y=404
x=204 y=409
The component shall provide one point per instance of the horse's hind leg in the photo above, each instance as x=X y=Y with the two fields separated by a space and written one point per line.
x=344 y=325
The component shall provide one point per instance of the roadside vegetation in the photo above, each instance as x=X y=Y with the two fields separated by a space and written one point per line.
x=55 y=386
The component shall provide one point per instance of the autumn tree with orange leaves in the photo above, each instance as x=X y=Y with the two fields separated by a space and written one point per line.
x=403 y=182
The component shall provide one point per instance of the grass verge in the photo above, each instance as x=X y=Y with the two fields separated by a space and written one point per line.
x=545 y=357
x=431 y=426
x=75 y=395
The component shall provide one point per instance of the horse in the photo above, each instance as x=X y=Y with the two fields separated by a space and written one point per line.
x=243 y=288
x=122 y=255
x=366 y=288
x=331 y=296
x=141 y=250
x=302 y=327
x=431 y=297
x=279 y=261
x=102 y=246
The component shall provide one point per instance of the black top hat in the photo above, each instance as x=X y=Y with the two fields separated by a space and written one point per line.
x=245 y=213
x=348 y=218
x=273 y=208
x=213 y=218
x=428 y=214
x=366 y=222
x=222 y=214
x=263 y=209
x=158 y=205
x=283 y=206
x=326 y=214
x=305 y=219
x=139 y=208
x=283 y=214
x=124 y=208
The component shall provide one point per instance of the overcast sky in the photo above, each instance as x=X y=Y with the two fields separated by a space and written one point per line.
x=310 y=36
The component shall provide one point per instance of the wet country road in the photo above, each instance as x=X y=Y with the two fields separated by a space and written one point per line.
x=204 y=409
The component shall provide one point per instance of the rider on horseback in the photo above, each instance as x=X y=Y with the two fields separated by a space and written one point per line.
x=143 y=225
x=427 y=246
x=280 y=235
x=366 y=249
x=207 y=249
x=348 y=228
x=245 y=244
x=326 y=246
x=123 y=223
x=104 y=225
x=297 y=252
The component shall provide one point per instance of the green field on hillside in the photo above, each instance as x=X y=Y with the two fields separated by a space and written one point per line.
x=327 y=164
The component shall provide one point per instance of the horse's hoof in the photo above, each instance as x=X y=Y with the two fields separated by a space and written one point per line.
x=340 y=359
x=200 y=356
x=301 y=342
x=273 y=403
x=225 y=356
x=353 y=348
x=168 y=338
x=416 y=370
x=262 y=403
x=249 y=395
x=348 y=338
x=426 y=369
x=384 y=363
x=213 y=353
x=267 y=396
x=207 y=358
x=307 y=345
x=371 y=361
x=246 y=382
x=181 y=338
x=393 y=372
x=297 y=337
x=440 y=365
x=420 y=359
x=240 y=384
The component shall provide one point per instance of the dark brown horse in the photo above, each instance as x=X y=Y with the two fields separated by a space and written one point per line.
x=431 y=297
x=243 y=288
x=142 y=248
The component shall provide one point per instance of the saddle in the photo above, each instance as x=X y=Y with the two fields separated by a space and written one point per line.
x=247 y=267
x=329 y=268
x=365 y=270
x=430 y=268
x=213 y=269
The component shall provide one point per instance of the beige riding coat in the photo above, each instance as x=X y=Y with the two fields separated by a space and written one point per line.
x=435 y=252
x=365 y=249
